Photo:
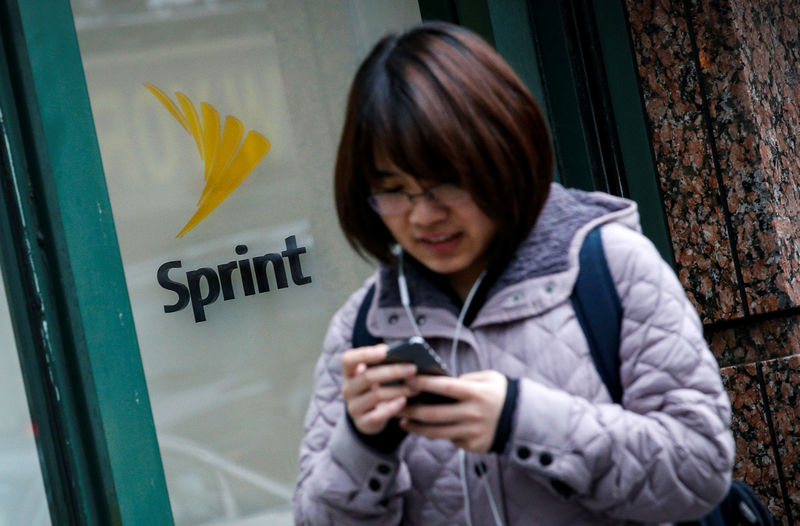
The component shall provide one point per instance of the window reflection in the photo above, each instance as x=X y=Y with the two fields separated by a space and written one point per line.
x=229 y=392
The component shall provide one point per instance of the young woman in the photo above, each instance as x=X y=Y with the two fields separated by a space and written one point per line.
x=444 y=175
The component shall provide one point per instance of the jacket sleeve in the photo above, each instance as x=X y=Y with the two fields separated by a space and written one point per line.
x=341 y=480
x=667 y=453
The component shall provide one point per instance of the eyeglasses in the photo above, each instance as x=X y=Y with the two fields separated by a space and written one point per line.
x=395 y=203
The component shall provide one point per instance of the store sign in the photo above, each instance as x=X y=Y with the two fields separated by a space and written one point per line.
x=203 y=285
x=227 y=161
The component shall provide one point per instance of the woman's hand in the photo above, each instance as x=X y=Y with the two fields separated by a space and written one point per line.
x=470 y=422
x=370 y=403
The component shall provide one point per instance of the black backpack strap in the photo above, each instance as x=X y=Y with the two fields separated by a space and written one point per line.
x=599 y=311
x=361 y=336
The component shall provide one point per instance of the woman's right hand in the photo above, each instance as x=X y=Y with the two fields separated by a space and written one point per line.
x=369 y=402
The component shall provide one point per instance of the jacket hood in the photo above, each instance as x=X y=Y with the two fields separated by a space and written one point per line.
x=549 y=253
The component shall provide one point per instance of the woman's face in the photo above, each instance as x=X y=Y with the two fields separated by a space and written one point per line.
x=451 y=240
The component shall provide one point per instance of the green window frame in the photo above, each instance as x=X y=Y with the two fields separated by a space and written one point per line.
x=75 y=334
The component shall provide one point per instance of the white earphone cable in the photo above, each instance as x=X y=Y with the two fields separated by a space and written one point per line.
x=495 y=512
x=402 y=284
x=405 y=300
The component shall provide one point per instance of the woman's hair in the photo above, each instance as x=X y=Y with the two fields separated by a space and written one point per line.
x=443 y=106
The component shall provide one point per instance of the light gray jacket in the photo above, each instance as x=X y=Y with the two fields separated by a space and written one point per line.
x=573 y=457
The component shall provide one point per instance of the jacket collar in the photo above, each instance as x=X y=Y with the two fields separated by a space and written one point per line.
x=540 y=274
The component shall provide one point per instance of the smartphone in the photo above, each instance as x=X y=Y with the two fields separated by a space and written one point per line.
x=415 y=350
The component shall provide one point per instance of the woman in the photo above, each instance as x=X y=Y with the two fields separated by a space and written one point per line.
x=444 y=175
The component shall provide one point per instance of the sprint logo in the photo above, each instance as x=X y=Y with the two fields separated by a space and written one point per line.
x=227 y=159
x=203 y=285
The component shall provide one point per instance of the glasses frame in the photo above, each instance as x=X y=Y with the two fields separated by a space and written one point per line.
x=374 y=199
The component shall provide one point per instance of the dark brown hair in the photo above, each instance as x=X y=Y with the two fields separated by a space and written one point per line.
x=443 y=106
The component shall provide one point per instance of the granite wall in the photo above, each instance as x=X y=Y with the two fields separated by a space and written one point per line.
x=720 y=81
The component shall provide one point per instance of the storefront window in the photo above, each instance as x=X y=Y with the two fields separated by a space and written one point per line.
x=218 y=123
x=22 y=497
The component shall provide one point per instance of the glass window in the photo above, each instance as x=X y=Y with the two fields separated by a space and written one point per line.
x=218 y=123
x=22 y=497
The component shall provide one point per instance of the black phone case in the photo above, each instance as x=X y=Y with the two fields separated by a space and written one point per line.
x=418 y=352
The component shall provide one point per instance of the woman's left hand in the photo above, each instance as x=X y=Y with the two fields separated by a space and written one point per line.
x=470 y=422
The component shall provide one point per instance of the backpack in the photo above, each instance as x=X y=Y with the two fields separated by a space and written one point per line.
x=599 y=312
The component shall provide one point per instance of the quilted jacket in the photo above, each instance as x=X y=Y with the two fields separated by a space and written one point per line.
x=573 y=457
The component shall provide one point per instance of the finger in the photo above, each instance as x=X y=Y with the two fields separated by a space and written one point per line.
x=353 y=357
x=440 y=414
x=370 y=399
x=375 y=421
x=443 y=385
x=381 y=374
x=479 y=376
x=372 y=377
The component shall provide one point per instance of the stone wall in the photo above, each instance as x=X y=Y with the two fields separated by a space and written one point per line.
x=720 y=81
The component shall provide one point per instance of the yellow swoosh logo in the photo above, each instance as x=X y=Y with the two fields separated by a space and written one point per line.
x=227 y=160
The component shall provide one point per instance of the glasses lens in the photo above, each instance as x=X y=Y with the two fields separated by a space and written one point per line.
x=449 y=194
x=392 y=203
x=389 y=203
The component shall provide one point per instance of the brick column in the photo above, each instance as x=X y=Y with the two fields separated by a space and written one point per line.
x=720 y=81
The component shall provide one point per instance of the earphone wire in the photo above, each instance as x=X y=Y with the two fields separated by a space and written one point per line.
x=460 y=323
x=405 y=300
x=402 y=284
x=462 y=454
